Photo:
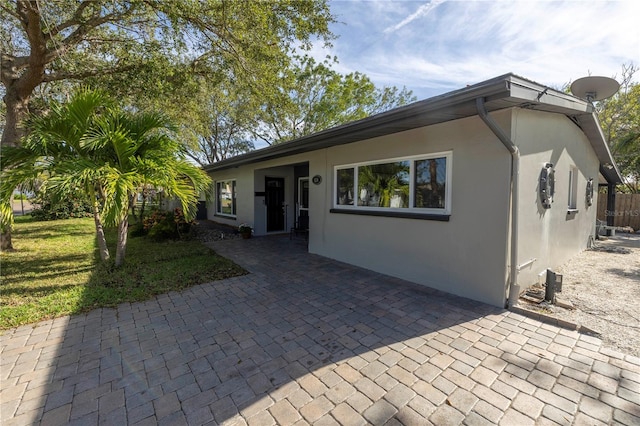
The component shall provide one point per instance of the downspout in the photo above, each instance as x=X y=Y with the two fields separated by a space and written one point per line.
x=512 y=286
x=611 y=203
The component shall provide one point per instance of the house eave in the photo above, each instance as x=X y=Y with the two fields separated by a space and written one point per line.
x=506 y=91
x=450 y=106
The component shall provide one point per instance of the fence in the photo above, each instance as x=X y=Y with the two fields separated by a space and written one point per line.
x=627 y=210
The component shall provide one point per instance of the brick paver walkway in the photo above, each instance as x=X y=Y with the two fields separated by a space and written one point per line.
x=307 y=340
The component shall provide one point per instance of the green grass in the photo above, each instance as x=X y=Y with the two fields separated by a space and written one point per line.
x=55 y=270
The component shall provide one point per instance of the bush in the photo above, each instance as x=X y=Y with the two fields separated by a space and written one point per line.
x=163 y=225
x=137 y=230
x=20 y=196
x=50 y=209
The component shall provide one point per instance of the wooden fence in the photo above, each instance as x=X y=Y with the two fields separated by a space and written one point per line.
x=626 y=213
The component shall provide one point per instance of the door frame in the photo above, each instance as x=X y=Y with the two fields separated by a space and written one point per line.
x=299 y=207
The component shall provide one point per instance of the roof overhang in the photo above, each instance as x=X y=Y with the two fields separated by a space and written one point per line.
x=506 y=91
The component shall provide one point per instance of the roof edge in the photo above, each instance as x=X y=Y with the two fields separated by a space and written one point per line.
x=518 y=90
x=497 y=86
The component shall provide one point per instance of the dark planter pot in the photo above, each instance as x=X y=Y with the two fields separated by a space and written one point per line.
x=246 y=235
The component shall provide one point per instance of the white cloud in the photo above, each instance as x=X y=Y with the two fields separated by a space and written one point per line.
x=433 y=49
x=422 y=11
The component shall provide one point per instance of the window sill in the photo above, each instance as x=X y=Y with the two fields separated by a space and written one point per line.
x=572 y=211
x=393 y=213
x=225 y=216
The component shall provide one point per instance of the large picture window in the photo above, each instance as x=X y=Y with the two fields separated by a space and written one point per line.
x=226 y=198
x=384 y=185
x=413 y=184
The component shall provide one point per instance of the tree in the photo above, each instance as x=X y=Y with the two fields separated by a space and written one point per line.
x=308 y=98
x=227 y=114
x=91 y=145
x=54 y=41
x=314 y=97
x=620 y=120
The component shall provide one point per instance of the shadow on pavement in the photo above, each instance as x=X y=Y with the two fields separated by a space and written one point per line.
x=301 y=327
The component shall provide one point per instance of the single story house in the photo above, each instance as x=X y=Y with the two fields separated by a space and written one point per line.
x=475 y=192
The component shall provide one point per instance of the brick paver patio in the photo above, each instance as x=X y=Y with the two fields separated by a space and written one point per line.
x=307 y=340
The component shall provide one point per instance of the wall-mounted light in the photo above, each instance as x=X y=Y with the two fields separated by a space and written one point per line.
x=589 y=192
x=546 y=185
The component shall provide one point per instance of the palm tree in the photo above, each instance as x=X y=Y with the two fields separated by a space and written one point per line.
x=90 y=145
x=54 y=150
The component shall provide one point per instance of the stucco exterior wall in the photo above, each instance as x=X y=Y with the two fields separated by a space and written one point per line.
x=244 y=204
x=250 y=179
x=552 y=236
x=469 y=254
x=465 y=256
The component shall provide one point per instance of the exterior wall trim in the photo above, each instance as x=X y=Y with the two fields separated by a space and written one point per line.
x=394 y=213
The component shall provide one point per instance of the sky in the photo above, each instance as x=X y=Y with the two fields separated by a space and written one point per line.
x=436 y=46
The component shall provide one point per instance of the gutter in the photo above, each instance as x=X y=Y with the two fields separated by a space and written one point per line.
x=512 y=286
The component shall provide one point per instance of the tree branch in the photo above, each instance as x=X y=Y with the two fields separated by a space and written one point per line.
x=83 y=29
x=30 y=18
x=74 y=20
x=264 y=138
x=10 y=12
x=62 y=75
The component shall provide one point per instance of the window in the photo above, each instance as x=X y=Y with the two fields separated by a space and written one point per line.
x=384 y=185
x=430 y=183
x=413 y=185
x=226 y=198
x=573 y=188
x=345 y=186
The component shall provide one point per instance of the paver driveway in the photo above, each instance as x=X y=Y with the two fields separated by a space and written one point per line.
x=306 y=340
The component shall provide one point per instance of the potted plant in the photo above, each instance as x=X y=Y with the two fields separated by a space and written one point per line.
x=245 y=230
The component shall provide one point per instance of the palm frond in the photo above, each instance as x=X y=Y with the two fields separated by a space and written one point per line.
x=6 y=215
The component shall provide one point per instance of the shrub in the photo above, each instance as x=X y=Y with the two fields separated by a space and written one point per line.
x=164 y=225
x=137 y=230
x=51 y=209
x=20 y=196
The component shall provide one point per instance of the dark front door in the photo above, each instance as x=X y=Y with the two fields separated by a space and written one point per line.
x=274 y=198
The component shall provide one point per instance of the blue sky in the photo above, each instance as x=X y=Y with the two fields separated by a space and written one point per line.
x=432 y=47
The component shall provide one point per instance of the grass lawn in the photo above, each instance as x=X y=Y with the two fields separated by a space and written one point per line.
x=56 y=270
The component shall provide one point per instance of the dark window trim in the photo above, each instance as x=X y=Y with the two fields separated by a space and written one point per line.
x=394 y=213
x=225 y=216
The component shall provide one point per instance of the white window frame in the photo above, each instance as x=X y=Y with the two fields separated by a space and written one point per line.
x=572 y=201
x=234 y=197
x=448 y=155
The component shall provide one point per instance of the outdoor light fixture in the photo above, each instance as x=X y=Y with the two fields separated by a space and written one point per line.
x=589 y=193
x=546 y=185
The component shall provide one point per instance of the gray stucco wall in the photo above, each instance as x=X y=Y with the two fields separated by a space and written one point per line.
x=468 y=255
x=465 y=256
x=552 y=236
x=251 y=179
